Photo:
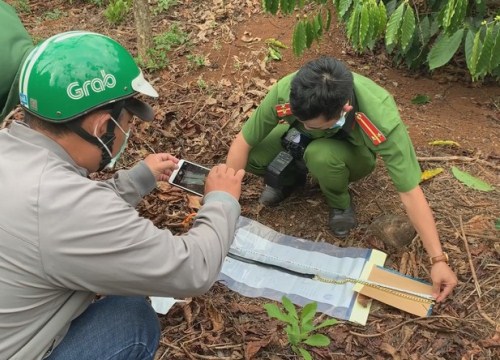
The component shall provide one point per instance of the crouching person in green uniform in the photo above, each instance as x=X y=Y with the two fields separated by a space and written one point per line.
x=330 y=122
x=65 y=238
x=15 y=44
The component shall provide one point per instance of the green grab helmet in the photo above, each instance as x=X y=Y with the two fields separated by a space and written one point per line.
x=73 y=73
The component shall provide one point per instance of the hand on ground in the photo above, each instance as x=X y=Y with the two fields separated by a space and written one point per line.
x=443 y=280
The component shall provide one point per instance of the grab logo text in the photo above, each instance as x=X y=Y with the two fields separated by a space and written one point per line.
x=76 y=91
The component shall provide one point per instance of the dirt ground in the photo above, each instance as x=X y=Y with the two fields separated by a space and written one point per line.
x=201 y=109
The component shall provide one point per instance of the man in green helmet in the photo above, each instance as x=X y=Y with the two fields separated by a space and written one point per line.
x=332 y=123
x=65 y=238
x=15 y=43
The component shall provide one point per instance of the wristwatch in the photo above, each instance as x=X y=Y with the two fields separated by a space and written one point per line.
x=442 y=257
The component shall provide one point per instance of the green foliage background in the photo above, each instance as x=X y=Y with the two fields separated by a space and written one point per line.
x=414 y=32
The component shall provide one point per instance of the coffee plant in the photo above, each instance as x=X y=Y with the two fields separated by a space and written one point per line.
x=416 y=32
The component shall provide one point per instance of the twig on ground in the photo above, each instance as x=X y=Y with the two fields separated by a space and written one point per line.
x=466 y=298
x=226 y=346
x=165 y=353
x=225 y=63
x=485 y=293
x=469 y=256
x=478 y=235
x=187 y=352
x=170 y=345
x=198 y=112
x=459 y=158
x=206 y=357
x=404 y=323
x=486 y=317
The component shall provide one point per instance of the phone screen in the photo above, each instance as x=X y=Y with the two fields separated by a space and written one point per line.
x=191 y=177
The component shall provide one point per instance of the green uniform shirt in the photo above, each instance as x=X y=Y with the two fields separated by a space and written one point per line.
x=375 y=102
x=15 y=43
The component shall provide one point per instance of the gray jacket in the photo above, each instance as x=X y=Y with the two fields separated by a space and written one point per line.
x=64 y=238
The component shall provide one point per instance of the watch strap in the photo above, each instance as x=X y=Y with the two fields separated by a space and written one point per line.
x=439 y=258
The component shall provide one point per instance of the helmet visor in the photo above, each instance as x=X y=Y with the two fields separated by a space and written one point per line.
x=140 y=109
x=141 y=85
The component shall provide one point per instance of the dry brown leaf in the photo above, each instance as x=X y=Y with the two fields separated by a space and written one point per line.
x=480 y=223
x=471 y=354
x=163 y=186
x=494 y=341
x=202 y=35
x=246 y=308
x=363 y=300
x=225 y=82
x=194 y=202
x=235 y=113
x=258 y=93
x=167 y=192
x=210 y=101
x=389 y=349
x=248 y=38
x=403 y=266
x=260 y=83
x=234 y=99
x=247 y=106
x=348 y=344
x=497 y=248
x=170 y=197
x=188 y=313
x=215 y=317
x=253 y=347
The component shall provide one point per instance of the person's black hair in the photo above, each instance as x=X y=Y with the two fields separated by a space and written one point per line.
x=60 y=129
x=321 y=88
x=57 y=129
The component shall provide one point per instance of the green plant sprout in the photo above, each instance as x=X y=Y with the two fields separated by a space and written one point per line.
x=53 y=15
x=237 y=64
x=157 y=56
x=175 y=36
x=163 y=6
x=23 y=6
x=202 y=84
x=300 y=326
x=196 y=61
x=117 y=10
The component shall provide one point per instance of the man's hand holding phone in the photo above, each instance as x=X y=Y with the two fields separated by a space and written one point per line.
x=222 y=178
x=161 y=165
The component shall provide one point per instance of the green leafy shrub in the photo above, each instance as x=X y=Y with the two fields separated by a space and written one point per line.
x=299 y=326
x=418 y=33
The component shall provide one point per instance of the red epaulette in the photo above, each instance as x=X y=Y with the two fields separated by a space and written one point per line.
x=283 y=110
x=371 y=130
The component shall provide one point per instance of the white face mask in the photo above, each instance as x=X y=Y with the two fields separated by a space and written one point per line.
x=115 y=158
x=340 y=122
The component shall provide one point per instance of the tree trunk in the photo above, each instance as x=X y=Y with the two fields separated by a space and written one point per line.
x=142 y=22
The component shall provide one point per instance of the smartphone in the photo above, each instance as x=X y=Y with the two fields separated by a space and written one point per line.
x=190 y=177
